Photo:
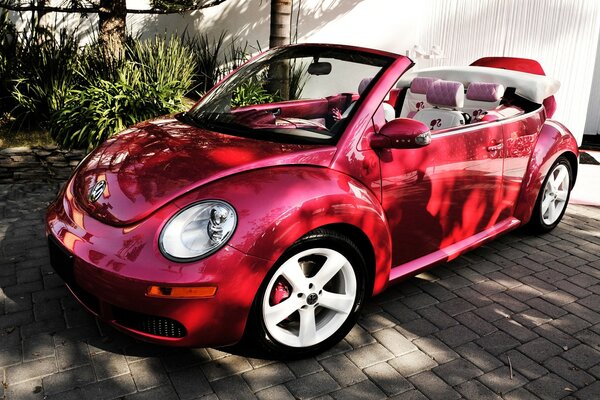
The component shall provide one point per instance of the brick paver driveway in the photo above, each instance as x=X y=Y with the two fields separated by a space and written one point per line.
x=516 y=319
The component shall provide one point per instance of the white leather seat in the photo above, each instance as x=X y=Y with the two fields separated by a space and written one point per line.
x=446 y=97
x=416 y=96
x=482 y=98
x=388 y=109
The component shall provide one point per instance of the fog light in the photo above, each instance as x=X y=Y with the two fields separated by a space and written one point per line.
x=181 y=292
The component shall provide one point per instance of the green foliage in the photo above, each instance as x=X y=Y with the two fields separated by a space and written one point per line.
x=213 y=60
x=298 y=77
x=151 y=81
x=8 y=48
x=43 y=75
x=251 y=92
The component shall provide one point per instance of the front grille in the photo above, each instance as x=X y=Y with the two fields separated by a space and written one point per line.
x=62 y=262
x=153 y=325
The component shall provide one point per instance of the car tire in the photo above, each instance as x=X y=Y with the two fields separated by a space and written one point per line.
x=553 y=198
x=310 y=299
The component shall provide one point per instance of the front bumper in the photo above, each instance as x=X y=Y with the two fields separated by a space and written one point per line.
x=109 y=269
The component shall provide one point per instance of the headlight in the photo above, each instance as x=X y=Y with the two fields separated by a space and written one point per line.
x=198 y=230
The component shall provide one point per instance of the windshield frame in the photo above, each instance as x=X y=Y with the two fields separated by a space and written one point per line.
x=383 y=60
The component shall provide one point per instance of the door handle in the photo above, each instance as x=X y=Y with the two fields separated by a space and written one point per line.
x=495 y=147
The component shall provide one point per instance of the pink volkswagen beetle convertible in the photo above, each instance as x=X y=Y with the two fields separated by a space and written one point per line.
x=305 y=182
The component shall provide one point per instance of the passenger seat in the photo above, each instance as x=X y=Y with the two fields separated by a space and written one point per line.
x=416 y=96
x=446 y=97
x=482 y=98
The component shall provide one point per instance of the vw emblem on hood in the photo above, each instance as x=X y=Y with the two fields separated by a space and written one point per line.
x=96 y=191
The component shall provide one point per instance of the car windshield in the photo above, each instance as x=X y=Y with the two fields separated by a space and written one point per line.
x=297 y=93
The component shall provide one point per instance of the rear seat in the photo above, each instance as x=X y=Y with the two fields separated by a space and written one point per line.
x=447 y=98
x=416 y=96
x=481 y=98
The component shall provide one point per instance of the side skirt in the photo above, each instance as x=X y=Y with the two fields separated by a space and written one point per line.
x=451 y=252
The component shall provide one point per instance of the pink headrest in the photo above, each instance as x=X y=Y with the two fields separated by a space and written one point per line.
x=446 y=94
x=482 y=91
x=363 y=85
x=420 y=84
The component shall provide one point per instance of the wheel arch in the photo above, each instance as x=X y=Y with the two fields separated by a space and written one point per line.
x=554 y=140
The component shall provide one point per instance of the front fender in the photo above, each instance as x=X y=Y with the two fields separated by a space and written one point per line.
x=277 y=206
x=553 y=141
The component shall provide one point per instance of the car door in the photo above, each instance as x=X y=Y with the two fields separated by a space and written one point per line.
x=443 y=193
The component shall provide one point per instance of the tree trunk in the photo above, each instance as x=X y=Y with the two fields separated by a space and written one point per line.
x=111 y=19
x=281 y=19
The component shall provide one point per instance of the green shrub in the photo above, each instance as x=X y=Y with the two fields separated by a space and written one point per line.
x=44 y=75
x=251 y=92
x=8 y=48
x=151 y=82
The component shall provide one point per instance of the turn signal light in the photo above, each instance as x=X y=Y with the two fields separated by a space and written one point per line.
x=182 y=292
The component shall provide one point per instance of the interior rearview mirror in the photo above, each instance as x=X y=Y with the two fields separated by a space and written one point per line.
x=319 y=68
x=401 y=133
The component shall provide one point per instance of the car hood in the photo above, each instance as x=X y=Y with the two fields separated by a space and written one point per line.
x=157 y=161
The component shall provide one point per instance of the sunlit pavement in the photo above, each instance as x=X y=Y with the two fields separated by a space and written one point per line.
x=516 y=319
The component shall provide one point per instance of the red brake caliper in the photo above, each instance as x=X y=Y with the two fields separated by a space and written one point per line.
x=281 y=291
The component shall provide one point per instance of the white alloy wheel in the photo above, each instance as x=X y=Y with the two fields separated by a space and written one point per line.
x=320 y=289
x=556 y=192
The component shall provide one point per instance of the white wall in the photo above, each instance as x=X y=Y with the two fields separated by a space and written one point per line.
x=562 y=34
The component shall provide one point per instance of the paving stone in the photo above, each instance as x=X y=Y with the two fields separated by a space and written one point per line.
x=388 y=379
x=583 y=356
x=476 y=323
x=546 y=308
x=377 y=321
x=559 y=298
x=394 y=341
x=312 y=385
x=190 y=383
x=590 y=392
x=556 y=336
x=438 y=291
x=509 y=302
x=436 y=349
x=550 y=387
x=411 y=395
x=72 y=355
x=108 y=365
x=433 y=387
x=540 y=349
x=161 y=392
x=531 y=318
x=570 y=323
x=437 y=317
x=475 y=390
x=278 y=392
x=39 y=346
x=479 y=357
x=68 y=380
x=226 y=366
x=456 y=306
x=569 y=372
x=304 y=367
x=358 y=337
x=29 y=370
x=492 y=312
x=524 y=365
x=418 y=301
x=416 y=328
x=148 y=373
x=343 y=370
x=400 y=312
x=457 y=371
x=108 y=388
x=497 y=342
x=28 y=390
x=572 y=289
x=369 y=355
x=233 y=387
x=500 y=382
x=456 y=335
x=520 y=394
x=516 y=330
x=363 y=390
x=412 y=363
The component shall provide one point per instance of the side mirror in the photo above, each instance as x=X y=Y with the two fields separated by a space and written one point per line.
x=401 y=133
